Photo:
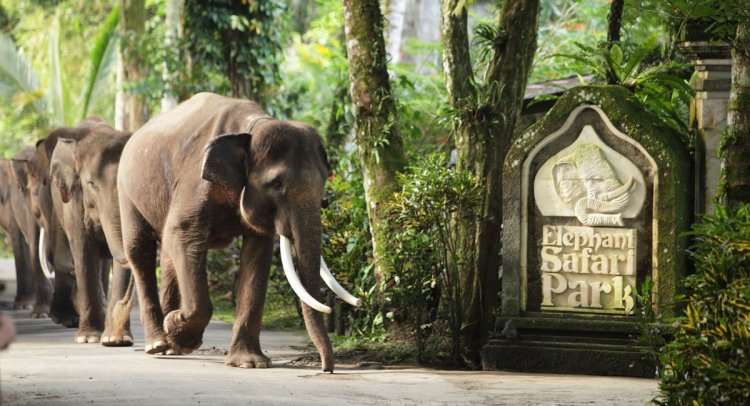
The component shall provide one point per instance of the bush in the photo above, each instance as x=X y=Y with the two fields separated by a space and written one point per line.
x=425 y=288
x=707 y=363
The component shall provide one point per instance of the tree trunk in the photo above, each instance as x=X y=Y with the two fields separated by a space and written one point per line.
x=614 y=23
x=132 y=27
x=736 y=143
x=396 y=16
x=377 y=135
x=483 y=132
x=174 y=33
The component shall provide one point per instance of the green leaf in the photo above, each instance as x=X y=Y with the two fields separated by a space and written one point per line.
x=100 y=60
x=616 y=54
x=16 y=73
x=57 y=94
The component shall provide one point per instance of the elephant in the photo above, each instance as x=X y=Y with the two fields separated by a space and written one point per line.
x=587 y=182
x=76 y=249
x=16 y=217
x=196 y=177
x=88 y=167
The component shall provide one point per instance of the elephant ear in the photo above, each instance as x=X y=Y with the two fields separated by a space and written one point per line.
x=20 y=173
x=63 y=168
x=567 y=183
x=225 y=161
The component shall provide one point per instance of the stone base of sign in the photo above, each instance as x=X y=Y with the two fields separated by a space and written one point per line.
x=559 y=345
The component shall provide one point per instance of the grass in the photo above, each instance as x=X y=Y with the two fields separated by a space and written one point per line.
x=279 y=313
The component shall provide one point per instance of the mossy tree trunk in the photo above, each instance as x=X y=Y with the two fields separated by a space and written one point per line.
x=614 y=23
x=379 y=144
x=736 y=144
x=132 y=27
x=483 y=127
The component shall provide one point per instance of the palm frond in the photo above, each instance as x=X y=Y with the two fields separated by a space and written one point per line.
x=16 y=73
x=58 y=96
x=100 y=60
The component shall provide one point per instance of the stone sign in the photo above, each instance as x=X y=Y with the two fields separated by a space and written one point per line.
x=596 y=197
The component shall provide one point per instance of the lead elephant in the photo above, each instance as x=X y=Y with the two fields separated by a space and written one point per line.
x=16 y=217
x=78 y=252
x=198 y=176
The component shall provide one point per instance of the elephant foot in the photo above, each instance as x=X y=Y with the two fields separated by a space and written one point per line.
x=23 y=303
x=40 y=311
x=179 y=334
x=88 y=336
x=156 y=347
x=122 y=339
x=63 y=312
x=247 y=359
x=117 y=329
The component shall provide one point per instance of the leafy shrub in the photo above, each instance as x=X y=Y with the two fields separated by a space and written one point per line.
x=425 y=286
x=708 y=363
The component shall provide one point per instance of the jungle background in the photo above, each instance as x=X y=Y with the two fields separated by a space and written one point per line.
x=424 y=97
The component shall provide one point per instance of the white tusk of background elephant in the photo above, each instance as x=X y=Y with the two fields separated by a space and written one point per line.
x=43 y=255
x=285 y=247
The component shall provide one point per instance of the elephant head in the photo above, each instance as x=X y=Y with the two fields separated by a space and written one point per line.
x=587 y=183
x=90 y=164
x=279 y=170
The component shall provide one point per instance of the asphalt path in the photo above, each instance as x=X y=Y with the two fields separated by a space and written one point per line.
x=45 y=367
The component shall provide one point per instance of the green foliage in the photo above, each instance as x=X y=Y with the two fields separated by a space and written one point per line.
x=235 y=45
x=693 y=20
x=424 y=288
x=648 y=71
x=708 y=361
x=347 y=246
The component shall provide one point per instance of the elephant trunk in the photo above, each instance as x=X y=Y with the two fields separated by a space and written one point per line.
x=307 y=239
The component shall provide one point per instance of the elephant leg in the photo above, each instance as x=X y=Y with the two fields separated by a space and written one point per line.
x=24 y=277
x=62 y=310
x=184 y=327
x=42 y=285
x=117 y=324
x=255 y=265
x=89 y=295
x=140 y=251
x=170 y=292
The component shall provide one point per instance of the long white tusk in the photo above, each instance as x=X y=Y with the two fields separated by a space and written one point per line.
x=43 y=255
x=332 y=283
x=291 y=274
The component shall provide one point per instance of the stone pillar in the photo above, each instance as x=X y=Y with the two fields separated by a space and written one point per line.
x=713 y=80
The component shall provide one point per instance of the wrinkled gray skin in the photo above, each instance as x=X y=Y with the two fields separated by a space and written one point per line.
x=194 y=178
x=80 y=258
x=17 y=218
x=85 y=172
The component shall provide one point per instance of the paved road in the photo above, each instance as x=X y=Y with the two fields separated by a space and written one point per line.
x=45 y=367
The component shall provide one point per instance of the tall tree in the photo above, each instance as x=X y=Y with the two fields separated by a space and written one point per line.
x=132 y=27
x=485 y=116
x=379 y=143
x=173 y=21
x=239 y=40
x=614 y=23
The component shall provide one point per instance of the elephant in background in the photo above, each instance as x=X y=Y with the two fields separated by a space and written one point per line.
x=17 y=218
x=89 y=167
x=196 y=177
x=80 y=258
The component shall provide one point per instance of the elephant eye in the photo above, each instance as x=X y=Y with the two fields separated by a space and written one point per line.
x=275 y=184
x=92 y=184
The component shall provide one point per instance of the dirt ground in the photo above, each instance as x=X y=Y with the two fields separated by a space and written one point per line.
x=45 y=367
